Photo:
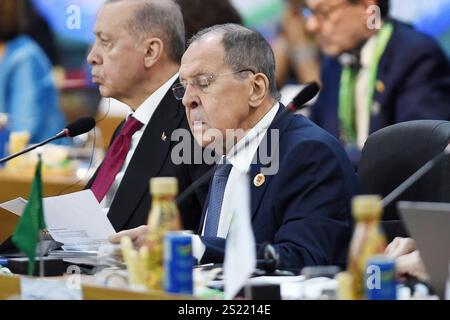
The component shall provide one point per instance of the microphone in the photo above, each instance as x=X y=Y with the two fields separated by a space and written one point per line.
x=308 y=92
x=76 y=128
x=268 y=258
x=416 y=176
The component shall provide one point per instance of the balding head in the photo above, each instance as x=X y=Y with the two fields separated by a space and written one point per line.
x=244 y=49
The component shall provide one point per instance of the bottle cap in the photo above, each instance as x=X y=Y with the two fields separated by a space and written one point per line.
x=164 y=186
x=367 y=207
x=3 y=262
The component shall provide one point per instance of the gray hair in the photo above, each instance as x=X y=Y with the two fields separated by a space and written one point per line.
x=245 y=49
x=162 y=19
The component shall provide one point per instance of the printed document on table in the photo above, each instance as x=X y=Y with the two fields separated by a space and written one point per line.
x=76 y=220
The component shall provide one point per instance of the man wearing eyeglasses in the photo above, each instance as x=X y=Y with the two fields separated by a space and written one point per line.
x=135 y=59
x=377 y=72
x=227 y=84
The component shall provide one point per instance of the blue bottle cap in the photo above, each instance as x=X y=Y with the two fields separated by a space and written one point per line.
x=3 y=261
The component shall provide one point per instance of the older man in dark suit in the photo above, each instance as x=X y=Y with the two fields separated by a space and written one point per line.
x=299 y=177
x=377 y=71
x=135 y=59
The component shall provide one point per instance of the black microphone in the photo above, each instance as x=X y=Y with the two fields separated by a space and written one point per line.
x=416 y=176
x=76 y=128
x=307 y=93
x=268 y=258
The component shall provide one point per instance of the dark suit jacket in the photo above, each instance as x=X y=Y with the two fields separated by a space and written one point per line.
x=416 y=77
x=151 y=158
x=304 y=209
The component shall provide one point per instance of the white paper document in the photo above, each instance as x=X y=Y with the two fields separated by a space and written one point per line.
x=15 y=206
x=76 y=220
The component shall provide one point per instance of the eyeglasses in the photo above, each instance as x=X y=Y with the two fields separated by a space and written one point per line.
x=322 y=14
x=201 y=82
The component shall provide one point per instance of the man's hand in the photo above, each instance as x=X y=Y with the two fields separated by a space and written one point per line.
x=137 y=235
x=407 y=258
x=411 y=264
x=399 y=247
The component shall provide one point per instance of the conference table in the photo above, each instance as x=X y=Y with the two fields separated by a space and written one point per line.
x=17 y=184
x=90 y=290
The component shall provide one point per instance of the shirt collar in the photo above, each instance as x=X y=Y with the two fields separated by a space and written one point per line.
x=145 y=111
x=241 y=156
x=368 y=51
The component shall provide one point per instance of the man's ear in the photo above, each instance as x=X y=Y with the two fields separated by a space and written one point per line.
x=259 y=90
x=153 y=50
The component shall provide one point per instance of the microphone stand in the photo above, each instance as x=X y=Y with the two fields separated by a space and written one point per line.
x=14 y=155
x=416 y=176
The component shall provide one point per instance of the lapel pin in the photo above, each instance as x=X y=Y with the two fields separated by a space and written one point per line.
x=379 y=86
x=163 y=137
x=259 y=180
x=376 y=108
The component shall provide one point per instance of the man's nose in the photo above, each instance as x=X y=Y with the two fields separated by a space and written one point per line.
x=93 y=58
x=312 y=24
x=190 y=99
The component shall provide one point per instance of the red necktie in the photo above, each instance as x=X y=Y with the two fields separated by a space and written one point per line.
x=115 y=157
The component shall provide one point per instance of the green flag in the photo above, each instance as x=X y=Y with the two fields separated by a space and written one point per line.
x=26 y=235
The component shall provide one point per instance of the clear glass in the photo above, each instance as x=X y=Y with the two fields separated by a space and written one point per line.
x=110 y=269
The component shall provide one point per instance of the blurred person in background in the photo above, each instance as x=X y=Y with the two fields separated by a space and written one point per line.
x=27 y=90
x=39 y=29
x=378 y=72
x=296 y=53
x=199 y=14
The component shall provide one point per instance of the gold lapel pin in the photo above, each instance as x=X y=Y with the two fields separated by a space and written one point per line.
x=259 y=180
x=163 y=137
x=379 y=86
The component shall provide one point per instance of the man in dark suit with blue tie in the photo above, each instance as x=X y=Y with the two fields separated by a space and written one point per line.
x=300 y=178
x=377 y=71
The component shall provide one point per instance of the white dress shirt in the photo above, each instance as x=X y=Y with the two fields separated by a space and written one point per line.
x=144 y=114
x=362 y=91
x=240 y=158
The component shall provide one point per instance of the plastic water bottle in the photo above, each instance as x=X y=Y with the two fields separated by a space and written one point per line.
x=367 y=240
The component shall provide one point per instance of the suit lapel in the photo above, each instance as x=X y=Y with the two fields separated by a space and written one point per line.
x=149 y=157
x=258 y=190
x=382 y=93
